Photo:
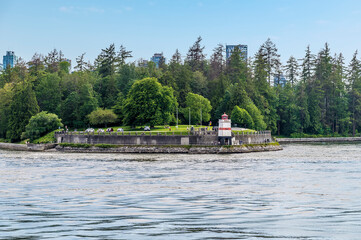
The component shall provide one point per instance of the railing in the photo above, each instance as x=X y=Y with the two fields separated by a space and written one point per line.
x=170 y=133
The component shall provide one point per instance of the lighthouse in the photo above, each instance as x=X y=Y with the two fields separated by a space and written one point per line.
x=225 y=130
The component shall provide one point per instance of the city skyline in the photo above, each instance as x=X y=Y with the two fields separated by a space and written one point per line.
x=78 y=27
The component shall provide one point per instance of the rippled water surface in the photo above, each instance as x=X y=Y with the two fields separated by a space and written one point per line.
x=302 y=192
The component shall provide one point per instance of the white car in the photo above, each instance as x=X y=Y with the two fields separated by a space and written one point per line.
x=89 y=130
x=120 y=130
x=100 y=130
x=146 y=128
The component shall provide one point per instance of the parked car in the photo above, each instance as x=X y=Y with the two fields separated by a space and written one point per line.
x=120 y=130
x=100 y=130
x=146 y=128
x=89 y=130
x=110 y=130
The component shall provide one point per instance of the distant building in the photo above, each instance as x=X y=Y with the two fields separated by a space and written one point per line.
x=242 y=48
x=157 y=59
x=279 y=80
x=9 y=59
x=143 y=63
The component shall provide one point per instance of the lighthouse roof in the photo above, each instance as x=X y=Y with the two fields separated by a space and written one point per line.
x=224 y=116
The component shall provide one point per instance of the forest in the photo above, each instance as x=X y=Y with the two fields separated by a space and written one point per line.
x=322 y=95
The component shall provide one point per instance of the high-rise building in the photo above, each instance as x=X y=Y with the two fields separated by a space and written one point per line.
x=243 y=49
x=157 y=59
x=279 y=80
x=9 y=59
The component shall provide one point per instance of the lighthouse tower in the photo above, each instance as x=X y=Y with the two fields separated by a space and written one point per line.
x=225 y=130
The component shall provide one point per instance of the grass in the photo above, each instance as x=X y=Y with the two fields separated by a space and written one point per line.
x=48 y=138
x=180 y=130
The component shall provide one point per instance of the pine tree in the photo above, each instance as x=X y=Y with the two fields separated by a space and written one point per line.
x=217 y=62
x=195 y=57
x=272 y=58
x=354 y=79
x=23 y=106
x=176 y=58
x=307 y=66
x=292 y=70
x=81 y=64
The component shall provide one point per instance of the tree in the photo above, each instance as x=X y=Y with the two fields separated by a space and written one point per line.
x=307 y=66
x=123 y=55
x=52 y=61
x=241 y=117
x=40 y=124
x=106 y=61
x=354 y=79
x=176 y=58
x=148 y=102
x=81 y=64
x=217 y=62
x=23 y=106
x=199 y=108
x=195 y=57
x=102 y=117
x=292 y=70
x=48 y=92
x=256 y=115
x=6 y=95
x=272 y=58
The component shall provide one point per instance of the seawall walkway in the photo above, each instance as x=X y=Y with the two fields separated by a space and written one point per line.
x=315 y=140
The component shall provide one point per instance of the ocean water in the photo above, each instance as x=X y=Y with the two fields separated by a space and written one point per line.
x=303 y=192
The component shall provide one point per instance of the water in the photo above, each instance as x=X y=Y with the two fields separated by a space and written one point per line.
x=302 y=192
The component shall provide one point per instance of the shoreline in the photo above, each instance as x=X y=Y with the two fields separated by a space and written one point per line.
x=189 y=149
x=172 y=149
x=318 y=140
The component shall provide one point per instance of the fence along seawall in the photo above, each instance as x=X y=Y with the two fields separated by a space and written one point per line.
x=205 y=138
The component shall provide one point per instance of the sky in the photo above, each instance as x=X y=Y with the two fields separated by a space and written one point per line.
x=151 y=26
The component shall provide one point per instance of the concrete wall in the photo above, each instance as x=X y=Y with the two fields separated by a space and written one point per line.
x=199 y=138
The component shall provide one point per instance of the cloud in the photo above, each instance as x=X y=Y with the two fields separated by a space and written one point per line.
x=322 y=22
x=66 y=9
x=95 y=10
x=72 y=9
x=128 y=9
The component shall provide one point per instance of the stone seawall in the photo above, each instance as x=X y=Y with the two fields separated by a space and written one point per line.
x=315 y=140
x=26 y=147
x=173 y=149
x=199 y=138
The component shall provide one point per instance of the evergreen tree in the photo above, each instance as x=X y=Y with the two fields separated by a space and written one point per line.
x=354 y=79
x=292 y=70
x=23 y=106
x=106 y=61
x=195 y=57
x=81 y=65
x=272 y=58
x=217 y=62
x=176 y=58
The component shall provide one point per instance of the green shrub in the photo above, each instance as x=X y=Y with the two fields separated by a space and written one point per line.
x=40 y=124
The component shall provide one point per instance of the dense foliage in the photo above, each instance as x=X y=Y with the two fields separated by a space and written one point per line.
x=102 y=117
x=322 y=94
x=41 y=124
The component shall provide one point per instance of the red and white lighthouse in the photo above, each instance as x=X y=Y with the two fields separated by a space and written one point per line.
x=225 y=130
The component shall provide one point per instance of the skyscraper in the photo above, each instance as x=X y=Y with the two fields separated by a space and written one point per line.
x=157 y=59
x=9 y=59
x=242 y=48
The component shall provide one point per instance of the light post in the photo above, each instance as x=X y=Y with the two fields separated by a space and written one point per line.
x=189 y=117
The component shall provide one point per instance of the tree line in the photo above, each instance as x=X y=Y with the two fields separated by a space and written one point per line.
x=322 y=94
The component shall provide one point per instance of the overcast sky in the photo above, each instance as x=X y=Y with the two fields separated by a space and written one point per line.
x=149 y=26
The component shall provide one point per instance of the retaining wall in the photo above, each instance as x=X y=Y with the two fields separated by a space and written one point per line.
x=198 y=138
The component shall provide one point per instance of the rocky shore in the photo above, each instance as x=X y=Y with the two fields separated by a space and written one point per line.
x=172 y=149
